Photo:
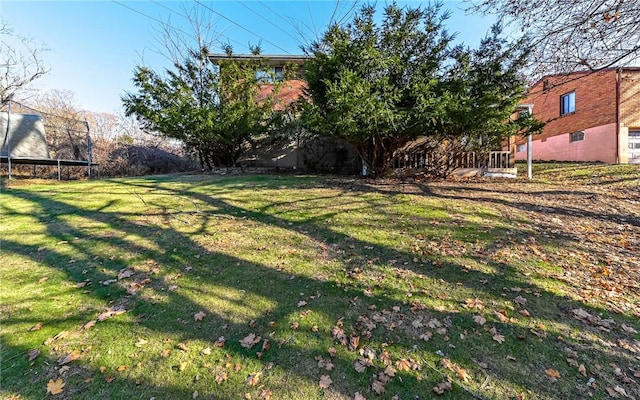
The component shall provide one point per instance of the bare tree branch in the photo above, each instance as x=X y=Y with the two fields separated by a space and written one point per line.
x=20 y=63
x=573 y=35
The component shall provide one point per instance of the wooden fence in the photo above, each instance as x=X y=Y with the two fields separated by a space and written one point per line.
x=471 y=159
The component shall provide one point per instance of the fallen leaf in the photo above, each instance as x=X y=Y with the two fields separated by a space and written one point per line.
x=302 y=303
x=55 y=387
x=479 y=319
x=122 y=368
x=206 y=351
x=403 y=365
x=89 y=325
x=141 y=342
x=221 y=377
x=390 y=371
x=36 y=327
x=520 y=300
x=182 y=346
x=582 y=370
x=220 y=341
x=552 y=373
x=358 y=396
x=474 y=303
x=33 y=354
x=498 y=338
x=265 y=394
x=377 y=386
x=183 y=365
x=195 y=395
x=325 y=381
x=165 y=353
x=63 y=369
x=426 y=336
x=125 y=273
x=442 y=387
x=524 y=313
x=74 y=355
x=249 y=341
x=332 y=351
x=253 y=379
x=199 y=316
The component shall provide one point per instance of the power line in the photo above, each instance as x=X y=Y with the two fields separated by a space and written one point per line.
x=267 y=20
x=240 y=26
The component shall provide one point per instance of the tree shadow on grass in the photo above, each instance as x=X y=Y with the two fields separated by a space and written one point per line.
x=270 y=295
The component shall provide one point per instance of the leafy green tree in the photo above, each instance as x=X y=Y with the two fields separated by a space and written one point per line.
x=382 y=86
x=213 y=111
x=376 y=85
x=482 y=90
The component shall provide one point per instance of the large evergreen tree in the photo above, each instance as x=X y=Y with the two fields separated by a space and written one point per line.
x=381 y=86
x=376 y=85
x=214 y=111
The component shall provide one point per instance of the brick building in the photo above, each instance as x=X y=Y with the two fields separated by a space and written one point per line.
x=590 y=116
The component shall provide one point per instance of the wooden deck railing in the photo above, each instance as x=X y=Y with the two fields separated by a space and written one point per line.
x=472 y=159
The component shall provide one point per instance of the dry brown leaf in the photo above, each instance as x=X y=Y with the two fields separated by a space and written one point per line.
x=498 y=338
x=520 y=300
x=552 y=373
x=524 y=313
x=55 y=387
x=479 y=319
x=165 y=353
x=426 y=336
x=141 y=342
x=403 y=365
x=442 y=387
x=89 y=324
x=33 y=354
x=474 y=303
x=462 y=374
x=199 y=316
x=582 y=370
x=122 y=368
x=221 y=377
x=206 y=351
x=390 y=371
x=74 y=355
x=182 y=346
x=325 y=381
x=36 y=327
x=445 y=362
x=378 y=386
x=254 y=378
x=265 y=394
x=63 y=369
x=249 y=341
x=358 y=396
x=354 y=342
x=302 y=303
x=183 y=365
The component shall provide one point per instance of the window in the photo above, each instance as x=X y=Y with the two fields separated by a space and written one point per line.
x=576 y=136
x=568 y=103
x=521 y=148
x=634 y=140
x=279 y=73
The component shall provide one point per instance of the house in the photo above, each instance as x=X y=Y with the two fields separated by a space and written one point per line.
x=590 y=116
x=302 y=151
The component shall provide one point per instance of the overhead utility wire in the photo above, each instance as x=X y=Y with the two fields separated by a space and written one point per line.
x=267 y=20
x=240 y=26
x=154 y=19
x=171 y=10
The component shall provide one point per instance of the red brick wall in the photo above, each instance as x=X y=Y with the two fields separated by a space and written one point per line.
x=630 y=99
x=595 y=102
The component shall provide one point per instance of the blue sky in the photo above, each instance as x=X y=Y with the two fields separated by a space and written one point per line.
x=94 y=46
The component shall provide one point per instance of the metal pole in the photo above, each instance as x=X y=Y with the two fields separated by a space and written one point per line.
x=9 y=139
x=59 y=173
x=530 y=149
x=89 y=147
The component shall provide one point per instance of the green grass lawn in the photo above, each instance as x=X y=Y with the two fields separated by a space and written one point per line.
x=304 y=287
